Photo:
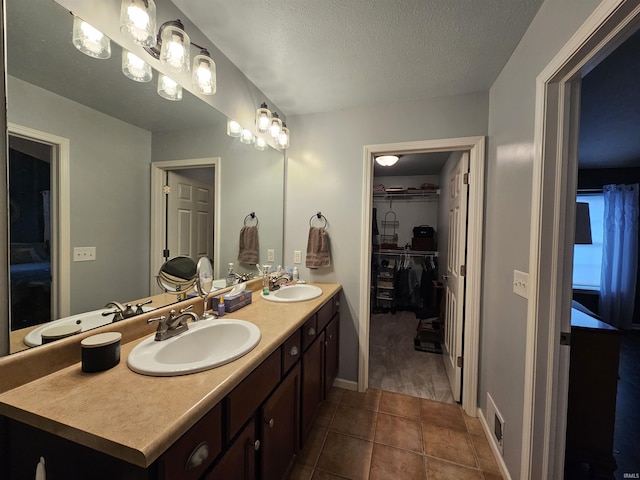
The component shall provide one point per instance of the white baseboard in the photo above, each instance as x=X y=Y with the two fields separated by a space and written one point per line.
x=346 y=384
x=494 y=446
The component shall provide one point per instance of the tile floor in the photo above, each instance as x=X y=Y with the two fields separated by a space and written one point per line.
x=382 y=435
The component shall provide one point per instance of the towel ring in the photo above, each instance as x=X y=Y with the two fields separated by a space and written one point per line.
x=319 y=216
x=251 y=215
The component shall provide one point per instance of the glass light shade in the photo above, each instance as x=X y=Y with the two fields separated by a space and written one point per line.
x=387 y=160
x=90 y=40
x=261 y=143
x=275 y=126
x=138 y=21
x=135 y=68
x=263 y=118
x=204 y=74
x=234 y=129
x=283 y=138
x=247 y=136
x=169 y=89
x=174 y=52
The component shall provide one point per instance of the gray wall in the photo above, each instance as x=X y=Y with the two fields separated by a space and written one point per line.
x=508 y=215
x=324 y=173
x=109 y=182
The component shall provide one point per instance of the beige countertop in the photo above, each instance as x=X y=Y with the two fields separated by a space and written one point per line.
x=136 y=417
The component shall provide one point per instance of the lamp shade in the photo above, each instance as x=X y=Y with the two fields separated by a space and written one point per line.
x=283 y=137
x=169 y=89
x=204 y=73
x=247 y=136
x=138 y=21
x=234 y=129
x=387 y=160
x=261 y=143
x=89 y=40
x=174 y=52
x=275 y=126
x=263 y=118
x=583 y=224
x=135 y=68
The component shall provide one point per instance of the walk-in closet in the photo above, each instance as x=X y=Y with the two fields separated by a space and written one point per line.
x=407 y=307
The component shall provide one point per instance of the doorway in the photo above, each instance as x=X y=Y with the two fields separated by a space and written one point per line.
x=199 y=236
x=39 y=226
x=471 y=308
x=553 y=218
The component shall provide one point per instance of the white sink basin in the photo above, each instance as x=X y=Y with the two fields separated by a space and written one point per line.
x=207 y=344
x=87 y=320
x=293 y=293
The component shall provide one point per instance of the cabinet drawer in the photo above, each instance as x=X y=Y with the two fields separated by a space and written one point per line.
x=325 y=314
x=309 y=331
x=245 y=399
x=190 y=456
x=291 y=350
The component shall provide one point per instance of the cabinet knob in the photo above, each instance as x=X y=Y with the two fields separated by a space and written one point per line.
x=294 y=351
x=256 y=445
x=312 y=332
x=198 y=456
x=271 y=422
x=330 y=336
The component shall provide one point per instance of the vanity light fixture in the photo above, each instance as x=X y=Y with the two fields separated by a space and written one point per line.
x=175 y=44
x=169 y=89
x=275 y=126
x=261 y=143
x=387 y=160
x=283 y=137
x=247 y=136
x=204 y=73
x=89 y=40
x=135 y=68
x=263 y=118
x=138 y=21
x=234 y=129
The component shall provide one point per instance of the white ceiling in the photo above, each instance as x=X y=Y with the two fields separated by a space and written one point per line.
x=324 y=55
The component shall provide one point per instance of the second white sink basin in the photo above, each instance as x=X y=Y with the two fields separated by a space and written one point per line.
x=293 y=293
x=207 y=344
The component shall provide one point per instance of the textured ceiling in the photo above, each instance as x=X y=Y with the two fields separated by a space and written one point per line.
x=324 y=55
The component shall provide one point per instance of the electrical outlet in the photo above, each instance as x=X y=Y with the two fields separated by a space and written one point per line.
x=521 y=283
x=84 y=254
x=271 y=255
x=297 y=256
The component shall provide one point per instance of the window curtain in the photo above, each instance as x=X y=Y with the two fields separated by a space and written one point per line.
x=619 y=255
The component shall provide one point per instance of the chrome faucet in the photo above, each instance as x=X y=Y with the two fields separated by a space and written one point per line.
x=174 y=325
x=117 y=312
x=277 y=280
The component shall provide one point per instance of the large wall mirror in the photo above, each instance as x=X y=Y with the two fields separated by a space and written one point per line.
x=84 y=144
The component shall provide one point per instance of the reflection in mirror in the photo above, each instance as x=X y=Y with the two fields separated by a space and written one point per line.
x=178 y=275
x=204 y=282
x=96 y=135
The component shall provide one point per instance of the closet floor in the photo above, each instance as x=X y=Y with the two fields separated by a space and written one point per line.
x=394 y=364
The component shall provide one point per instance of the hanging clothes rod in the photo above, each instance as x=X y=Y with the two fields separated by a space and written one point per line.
x=402 y=252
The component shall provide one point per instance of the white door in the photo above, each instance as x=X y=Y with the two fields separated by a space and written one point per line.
x=454 y=285
x=190 y=215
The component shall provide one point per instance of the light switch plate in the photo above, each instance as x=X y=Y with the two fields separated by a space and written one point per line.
x=84 y=254
x=521 y=283
x=297 y=256
x=271 y=255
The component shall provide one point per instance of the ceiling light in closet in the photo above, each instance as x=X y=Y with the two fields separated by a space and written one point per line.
x=387 y=160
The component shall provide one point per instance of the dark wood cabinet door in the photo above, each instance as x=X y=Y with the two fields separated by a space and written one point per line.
x=280 y=428
x=312 y=384
x=239 y=462
x=332 y=353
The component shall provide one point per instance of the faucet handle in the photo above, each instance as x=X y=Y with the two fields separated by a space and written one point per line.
x=139 y=308
x=161 y=318
x=186 y=309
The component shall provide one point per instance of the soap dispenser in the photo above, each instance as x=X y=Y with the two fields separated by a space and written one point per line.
x=221 y=306
x=231 y=277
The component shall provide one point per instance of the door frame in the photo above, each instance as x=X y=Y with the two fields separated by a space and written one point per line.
x=476 y=148
x=158 y=220
x=60 y=215
x=552 y=221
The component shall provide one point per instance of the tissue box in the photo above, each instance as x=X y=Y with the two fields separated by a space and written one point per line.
x=236 y=302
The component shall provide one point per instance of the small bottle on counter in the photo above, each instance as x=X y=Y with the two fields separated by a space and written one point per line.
x=265 y=279
x=231 y=277
x=296 y=275
x=221 y=306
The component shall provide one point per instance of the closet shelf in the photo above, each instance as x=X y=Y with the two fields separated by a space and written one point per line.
x=428 y=194
x=417 y=253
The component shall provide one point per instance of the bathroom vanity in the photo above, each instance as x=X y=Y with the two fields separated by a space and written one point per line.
x=246 y=419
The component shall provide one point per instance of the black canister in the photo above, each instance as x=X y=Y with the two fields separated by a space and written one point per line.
x=100 y=352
